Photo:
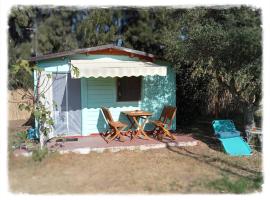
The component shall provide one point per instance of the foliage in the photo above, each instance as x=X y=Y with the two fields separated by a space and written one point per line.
x=19 y=139
x=19 y=20
x=40 y=30
x=75 y=70
x=39 y=154
x=97 y=28
x=20 y=75
x=35 y=102
x=20 y=39
x=43 y=116
x=192 y=94
x=144 y=28
x=224 y=46
x=55 y=34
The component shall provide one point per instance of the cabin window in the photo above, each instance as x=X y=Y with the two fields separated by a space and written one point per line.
x=129 y=88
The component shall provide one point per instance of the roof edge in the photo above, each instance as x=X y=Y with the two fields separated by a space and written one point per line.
x=90 y=49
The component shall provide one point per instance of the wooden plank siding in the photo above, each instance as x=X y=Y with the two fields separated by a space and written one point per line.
x=100 y=92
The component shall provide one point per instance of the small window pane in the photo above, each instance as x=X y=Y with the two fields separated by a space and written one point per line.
x=129 y=89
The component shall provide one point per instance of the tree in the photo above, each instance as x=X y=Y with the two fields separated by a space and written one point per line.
x=144 y=28
x=20 y=38
x=225 y=46
x=36 y=30
x=20 y=20
x=34 y=102
x=97 y=28
x=55 y=30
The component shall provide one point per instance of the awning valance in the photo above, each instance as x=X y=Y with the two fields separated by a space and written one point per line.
x=108 y=67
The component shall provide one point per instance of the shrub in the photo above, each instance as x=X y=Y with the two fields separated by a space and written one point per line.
x=39 y=154
x=19 y=139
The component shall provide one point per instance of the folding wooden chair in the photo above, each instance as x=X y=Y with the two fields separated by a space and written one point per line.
x=115 y=127
x=163 y=124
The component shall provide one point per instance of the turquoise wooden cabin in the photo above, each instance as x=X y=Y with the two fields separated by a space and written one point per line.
x=119 y=78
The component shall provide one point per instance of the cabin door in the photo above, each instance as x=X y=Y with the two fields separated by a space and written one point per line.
x=67 y=108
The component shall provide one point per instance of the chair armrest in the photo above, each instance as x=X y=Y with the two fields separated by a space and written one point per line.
x=157 y=123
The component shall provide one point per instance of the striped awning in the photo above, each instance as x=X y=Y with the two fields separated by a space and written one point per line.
x=108 y=67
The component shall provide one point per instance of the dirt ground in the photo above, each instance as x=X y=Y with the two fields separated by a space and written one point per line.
x=169 y=170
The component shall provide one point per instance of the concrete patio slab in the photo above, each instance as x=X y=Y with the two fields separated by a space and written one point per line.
x=96 y=143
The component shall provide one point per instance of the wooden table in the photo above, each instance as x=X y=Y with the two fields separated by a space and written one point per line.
x=133 y=117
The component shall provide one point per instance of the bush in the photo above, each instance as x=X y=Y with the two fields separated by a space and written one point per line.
x=39 y=154
x=19 y=139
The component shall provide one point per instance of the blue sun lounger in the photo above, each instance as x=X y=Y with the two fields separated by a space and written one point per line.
x=230 y=138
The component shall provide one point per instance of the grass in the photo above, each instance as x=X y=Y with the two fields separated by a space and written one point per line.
x=198 y=169
x=175 y=170
x=39 y=154
x=238 y=186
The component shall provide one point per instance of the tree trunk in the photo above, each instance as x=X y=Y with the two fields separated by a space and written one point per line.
x=249 y=116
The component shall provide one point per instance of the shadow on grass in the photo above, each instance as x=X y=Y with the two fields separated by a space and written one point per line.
x=247 y=178
x=252 y=180
x=234 y=169
x=202 y=131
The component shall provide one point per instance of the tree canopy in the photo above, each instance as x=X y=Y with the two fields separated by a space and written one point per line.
x=223 y=46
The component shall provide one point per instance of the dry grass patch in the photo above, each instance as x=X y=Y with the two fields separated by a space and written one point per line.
x=173 y=170
x=197 y=169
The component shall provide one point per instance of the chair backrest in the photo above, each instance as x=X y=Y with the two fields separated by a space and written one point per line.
x=167 y=115
x=223 y=126
x=107 y=114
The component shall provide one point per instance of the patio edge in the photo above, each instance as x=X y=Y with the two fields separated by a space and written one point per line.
x=131 y=148
x=87 y=150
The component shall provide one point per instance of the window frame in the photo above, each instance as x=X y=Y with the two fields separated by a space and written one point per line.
x=140 y=97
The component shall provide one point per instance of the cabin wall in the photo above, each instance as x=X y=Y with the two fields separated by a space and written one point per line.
x=157 y=92
x=98 y=92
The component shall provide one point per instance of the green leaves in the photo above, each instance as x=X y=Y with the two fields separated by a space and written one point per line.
x=55 y=33
x=22 y=65
x=75 y=71
x=222 y=49
x=37 y=113
x=20 y=75
x=97 y=29
x=37 y=106
x=25 y=106
x=43 y=117
x=22 y=106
